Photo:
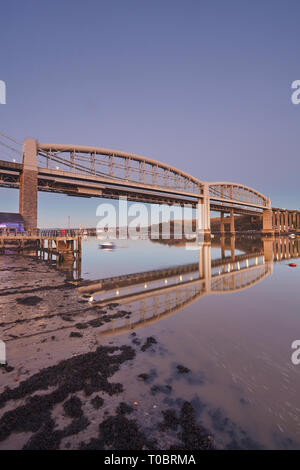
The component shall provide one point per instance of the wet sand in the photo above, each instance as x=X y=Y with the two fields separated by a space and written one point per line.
x=67 y=387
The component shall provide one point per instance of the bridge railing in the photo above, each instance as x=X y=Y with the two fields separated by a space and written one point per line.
x=51 y=233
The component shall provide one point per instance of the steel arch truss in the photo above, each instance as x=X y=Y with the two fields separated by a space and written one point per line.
x=117 y=166
x=238 y=194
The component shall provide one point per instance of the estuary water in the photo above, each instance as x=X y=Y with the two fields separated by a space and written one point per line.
x=228 y=312
x=154 y=325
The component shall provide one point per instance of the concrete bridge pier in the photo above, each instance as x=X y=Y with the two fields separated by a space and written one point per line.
x=28 y=194
x=286 y=221
x=222 y=224
x=297 y=218
x=276 y=221
x=231 y=220
x=268 y=221
x=203 y=219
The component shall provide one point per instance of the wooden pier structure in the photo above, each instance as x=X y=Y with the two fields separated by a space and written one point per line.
x=54 y=243
x=60 y=250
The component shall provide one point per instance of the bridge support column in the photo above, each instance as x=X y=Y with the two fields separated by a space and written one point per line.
x=204 y=215
x=282 y=221
x=294 y=220
x=222 y=224
x=267 y=222
x=232 y=226
x=29 y=185
x=277 y=221
x=286 y=221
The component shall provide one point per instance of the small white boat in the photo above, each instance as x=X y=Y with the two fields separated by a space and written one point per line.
x=190 y=236
x=107 y=245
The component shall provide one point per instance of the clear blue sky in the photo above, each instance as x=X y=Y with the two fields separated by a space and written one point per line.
x=202 y=85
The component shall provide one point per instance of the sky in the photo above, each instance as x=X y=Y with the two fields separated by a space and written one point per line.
x=203 y=85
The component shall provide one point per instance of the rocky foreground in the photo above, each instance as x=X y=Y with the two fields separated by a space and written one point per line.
x=65 y=386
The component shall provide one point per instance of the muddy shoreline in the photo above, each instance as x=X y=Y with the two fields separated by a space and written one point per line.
x=63 y=387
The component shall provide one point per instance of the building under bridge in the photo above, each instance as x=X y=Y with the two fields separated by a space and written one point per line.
x=11 y=222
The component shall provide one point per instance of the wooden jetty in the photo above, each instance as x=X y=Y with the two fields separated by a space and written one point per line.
x=49 y=242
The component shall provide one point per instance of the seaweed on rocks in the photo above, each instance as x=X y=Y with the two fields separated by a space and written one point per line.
x=182 y=369
x=97 y=402
x=191 y=435
x=73 y=407
x=86 y=372
x=148 y=343
x=124 y=409
x=119 y=433
x=31 y=301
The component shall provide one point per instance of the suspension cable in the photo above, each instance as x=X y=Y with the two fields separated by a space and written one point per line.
x=10 y=148
x=10 y=138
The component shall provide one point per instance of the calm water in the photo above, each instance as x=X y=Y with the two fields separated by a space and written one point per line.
x=229 y=314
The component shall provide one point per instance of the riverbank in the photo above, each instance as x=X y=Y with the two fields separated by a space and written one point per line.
x=67 y=387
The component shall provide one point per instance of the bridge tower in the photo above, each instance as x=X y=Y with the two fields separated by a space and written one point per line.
x=268 y=220
x=203 y=221
x=29 y=185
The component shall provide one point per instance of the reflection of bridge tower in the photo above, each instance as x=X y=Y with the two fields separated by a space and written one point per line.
x=268 y=249
x=205 y=264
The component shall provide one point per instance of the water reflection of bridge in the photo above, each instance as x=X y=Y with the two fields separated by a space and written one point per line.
x=153 y=295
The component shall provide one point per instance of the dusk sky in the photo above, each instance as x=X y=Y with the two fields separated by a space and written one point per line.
x=202 y=85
